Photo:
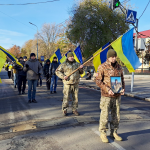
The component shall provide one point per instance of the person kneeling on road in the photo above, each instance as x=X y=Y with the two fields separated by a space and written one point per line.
x=71 y=84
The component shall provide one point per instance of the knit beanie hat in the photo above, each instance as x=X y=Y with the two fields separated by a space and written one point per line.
x=24 y=57
x=32 y=54
x=111 y=53
x=70 y=54
x=55 y=57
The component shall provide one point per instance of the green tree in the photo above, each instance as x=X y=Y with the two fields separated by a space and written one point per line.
x=93 y=25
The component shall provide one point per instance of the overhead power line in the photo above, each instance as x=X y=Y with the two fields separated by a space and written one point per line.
x=26 y=24
x=32 y=3
x=16 y=20
x=144 y=9
x=125 y=1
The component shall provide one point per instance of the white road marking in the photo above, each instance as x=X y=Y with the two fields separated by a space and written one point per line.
x=111 y=142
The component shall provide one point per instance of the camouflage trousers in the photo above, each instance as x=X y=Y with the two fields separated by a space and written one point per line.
x=111 y=105
x=70 y=89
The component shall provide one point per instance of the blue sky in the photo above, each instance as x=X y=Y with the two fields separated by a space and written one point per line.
x=14 y=32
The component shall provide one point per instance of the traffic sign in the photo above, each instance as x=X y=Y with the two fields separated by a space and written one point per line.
x=42 y=58
x=131 y=16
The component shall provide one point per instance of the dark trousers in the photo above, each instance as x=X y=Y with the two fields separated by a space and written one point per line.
x=21 y=81
x=9 y=74
x=48 y=82
x=40 y=78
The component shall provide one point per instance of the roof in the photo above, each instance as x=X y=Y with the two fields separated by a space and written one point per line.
x=143 y=34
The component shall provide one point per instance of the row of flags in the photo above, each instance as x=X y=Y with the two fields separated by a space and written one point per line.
x=77 y=56
x=123 y=46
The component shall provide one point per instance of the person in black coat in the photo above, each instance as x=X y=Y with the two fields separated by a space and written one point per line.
x=46 y=74
x=88 y=75
x=53 y=66
x=21 y=77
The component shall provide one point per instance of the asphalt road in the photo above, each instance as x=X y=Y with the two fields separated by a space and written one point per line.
x=42 y=126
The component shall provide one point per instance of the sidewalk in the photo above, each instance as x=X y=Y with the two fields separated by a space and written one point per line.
x=141 y=89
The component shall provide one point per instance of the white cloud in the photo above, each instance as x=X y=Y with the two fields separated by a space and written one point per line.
x=10 y=33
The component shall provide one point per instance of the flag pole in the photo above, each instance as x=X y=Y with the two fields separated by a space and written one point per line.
x=93 y=57
x=90 y=59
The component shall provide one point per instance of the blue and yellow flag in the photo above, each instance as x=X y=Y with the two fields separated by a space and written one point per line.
x=63 y=59
x=11 y=56
x=2 y=59
x=78 y=57
x=125 y=51
x=56 y=54
x=101 y=57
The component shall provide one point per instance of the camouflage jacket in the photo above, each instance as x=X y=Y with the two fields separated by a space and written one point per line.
x=105 y=71
x=67 y=68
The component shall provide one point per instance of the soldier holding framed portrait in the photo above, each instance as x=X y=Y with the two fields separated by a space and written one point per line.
x=108 y=75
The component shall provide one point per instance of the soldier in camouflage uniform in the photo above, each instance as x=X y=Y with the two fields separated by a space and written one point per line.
x=70 y=83
x=109 y=100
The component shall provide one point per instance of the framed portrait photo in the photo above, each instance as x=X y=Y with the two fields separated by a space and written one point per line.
x=116 y=84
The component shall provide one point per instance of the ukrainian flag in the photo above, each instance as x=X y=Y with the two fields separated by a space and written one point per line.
x=125 y=51
x=11 y=56
x=101 y=57
x=77 y=56
x=63 y=59
x=2 y=61
x=56 y=54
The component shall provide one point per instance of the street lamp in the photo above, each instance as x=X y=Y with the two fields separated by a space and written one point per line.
x=37 y=38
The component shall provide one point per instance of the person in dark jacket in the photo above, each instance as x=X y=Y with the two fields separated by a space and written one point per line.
x=34 y=70
x=53 y=66
x=40 y=78
x=21 y=77
x=88 y=75
x=46 y=73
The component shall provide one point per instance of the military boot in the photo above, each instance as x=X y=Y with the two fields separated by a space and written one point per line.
x=75 y=113
x=114 y=135
x=65 y=112
x=104 y=138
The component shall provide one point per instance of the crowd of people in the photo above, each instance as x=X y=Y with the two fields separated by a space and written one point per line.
x=32 y=71
x=110 y=99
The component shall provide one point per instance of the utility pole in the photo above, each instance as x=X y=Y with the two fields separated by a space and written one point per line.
x=131 y=19
x=37 y=38
x=136 y=48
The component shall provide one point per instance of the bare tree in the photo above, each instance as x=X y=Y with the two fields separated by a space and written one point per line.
x=49 y=35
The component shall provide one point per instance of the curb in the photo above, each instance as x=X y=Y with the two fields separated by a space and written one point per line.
x=126 y=94
x=138 y=97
